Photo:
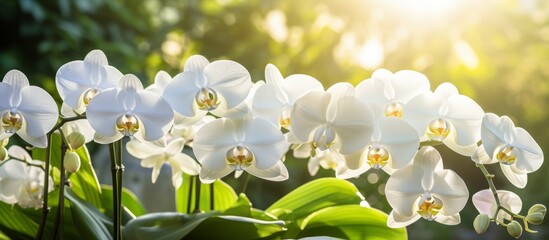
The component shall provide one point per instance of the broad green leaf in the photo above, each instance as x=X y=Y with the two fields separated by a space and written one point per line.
x=242 y=207
x=87 y=218
x=236 y=227
x=15 y=223
x=3 y=236
x=313 y=196
x=164 y=226
x=132 y=206
x=224 y=195
x=350 y=222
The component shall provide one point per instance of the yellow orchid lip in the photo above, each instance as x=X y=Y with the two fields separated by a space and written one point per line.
x=12 y=121
x=506 y=155
x=394 y=110
x=239 y=157
x=429 y=207
x=207 y=99
x=377 y=157
x=88 y=95
x=438 y=129
x=127 y=124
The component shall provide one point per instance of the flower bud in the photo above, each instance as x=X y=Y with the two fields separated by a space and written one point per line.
x=535 y=218
x=481 y=223
x=75 y=140
x=538 y=208
x=72 y=162
x=3 y=153
x=514 y=229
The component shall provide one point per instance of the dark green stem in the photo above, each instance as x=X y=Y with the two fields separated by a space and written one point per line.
x=190 y=195
x=246 y=180
x=212 y=199
x=115 y=169
x=45 y=208
x=58 y=224
x=197 y=196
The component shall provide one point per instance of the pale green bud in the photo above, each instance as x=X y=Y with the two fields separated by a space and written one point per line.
x=3 y=153
x=538 y=208
x=514 y=229
x=76 y=140
x=535 y=218
x=481 y=223
x=72 y=162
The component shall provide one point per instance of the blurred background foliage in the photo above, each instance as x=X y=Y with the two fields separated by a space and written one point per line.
x=496 y=52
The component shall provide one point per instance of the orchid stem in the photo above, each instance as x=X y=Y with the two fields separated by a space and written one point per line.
x=45 y=208
x=190 y=195
x=489 y=178
x=197 y=196
x=212 y=199
x=58 y=224
x=116 y=184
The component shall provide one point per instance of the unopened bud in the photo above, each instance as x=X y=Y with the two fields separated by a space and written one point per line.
x=72 y=162
x=3 y=153
x=538 y=208
x=481 y=223
x=75 y=140
x=514 y=229
x=535 y=218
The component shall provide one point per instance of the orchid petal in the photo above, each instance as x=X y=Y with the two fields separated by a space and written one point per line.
x=266 y=104
x=103 y=139
x=208 y=175
x=298 y=84
x=230 y=79
x=451 y=190
x=408 y=84
x=518 y=179
x=161 y=80
x=529 y=153
x=429 y=159
x=142 y=150
x=308 y=113
x=465 y=150
x=446 y=90
x=421 y=110
x=454 y=219
x=352 y=123
x=39 y=110
x=186 y=164
x=276 y=172
x=265 y=141
x=466 y=117
x=354 y=160
x=181 y=92
x=480 y=156
x=484 y=202
x=195 y=63
x=400 y=140
x=492 y=133
x=212 y=142
x=155 y=113
x=397 y=220
x=103 y=111
x=403 y=189
x=19 y=153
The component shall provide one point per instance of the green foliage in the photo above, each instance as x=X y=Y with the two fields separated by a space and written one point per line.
x=224 y=195
x=87 y=218
x=14 y=222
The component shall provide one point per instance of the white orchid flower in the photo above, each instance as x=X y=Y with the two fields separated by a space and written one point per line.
x=79 y=81
x=207 y=87
x=447 y=116
x=26 y=110
x=253 y=145
x=485 y=203
x=392 y=145
x=20 y=183
x=161 y=80
x=329 y=159
x=392 y=91
x=129 y=111
x=513 y=147
x=424 y=189
x=334 y=119
x=275 y=99
x=188 y=133
x=167 y=150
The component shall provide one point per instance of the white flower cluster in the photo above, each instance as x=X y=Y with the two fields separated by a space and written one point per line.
x=233 y=124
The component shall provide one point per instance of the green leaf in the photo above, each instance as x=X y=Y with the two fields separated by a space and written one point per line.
x=313 y=196
x=87 y=218
x=132 y=206
x=15 y=223
x=164 y=226
x=84 y=183
x=237 y=227
x=350 y=222
x=224 y=195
